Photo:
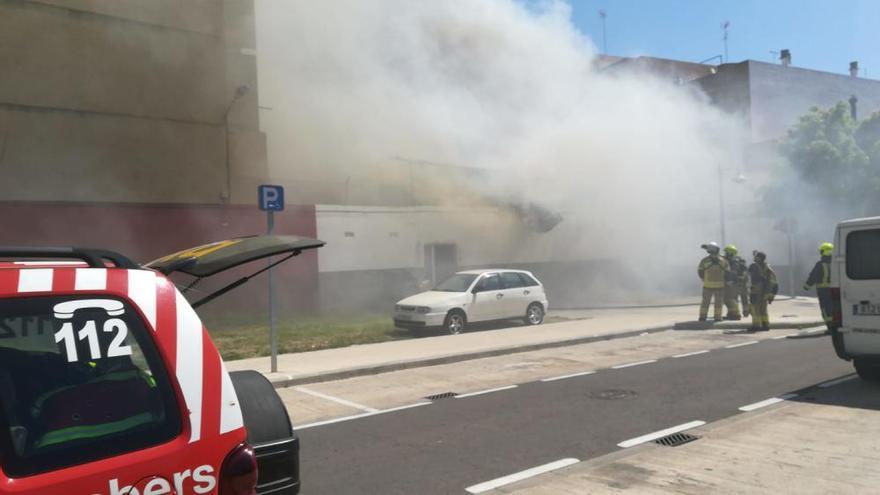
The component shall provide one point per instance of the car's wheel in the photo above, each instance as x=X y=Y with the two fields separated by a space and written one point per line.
x=455 y=322
x=534 y=314
x=269 y=432
x=867 y=369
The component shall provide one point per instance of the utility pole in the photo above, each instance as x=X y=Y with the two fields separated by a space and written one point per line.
x=603 y=15
x=724 y=27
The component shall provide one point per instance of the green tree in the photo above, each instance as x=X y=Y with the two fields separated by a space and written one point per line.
x=835 y=159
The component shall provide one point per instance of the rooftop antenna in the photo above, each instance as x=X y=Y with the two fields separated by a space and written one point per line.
x=774 y=56
x=603 y=15
x=724 y=26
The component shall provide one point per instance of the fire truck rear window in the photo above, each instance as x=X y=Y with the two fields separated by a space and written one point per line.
x=863 y=255
x=80 y=380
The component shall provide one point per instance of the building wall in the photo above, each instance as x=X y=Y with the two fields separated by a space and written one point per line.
x=728 y=89
x=146 y=232
x=780 y=95
x=124 y=101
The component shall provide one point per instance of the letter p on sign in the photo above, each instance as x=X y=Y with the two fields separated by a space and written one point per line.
x=271 y=198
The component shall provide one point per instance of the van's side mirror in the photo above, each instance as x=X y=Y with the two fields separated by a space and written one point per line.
x=475 y=289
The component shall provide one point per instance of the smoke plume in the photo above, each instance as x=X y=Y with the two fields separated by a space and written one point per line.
x=629 y=159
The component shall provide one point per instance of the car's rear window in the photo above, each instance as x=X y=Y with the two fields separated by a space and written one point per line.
x=511 y=280
x=80 y=380
x=863 y=255
x=528 y=281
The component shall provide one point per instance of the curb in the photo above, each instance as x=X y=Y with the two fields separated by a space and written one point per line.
x=708 y=325
x=281 y=381
x=289 y=381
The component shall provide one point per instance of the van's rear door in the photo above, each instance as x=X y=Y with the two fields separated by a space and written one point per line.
x=858 y=270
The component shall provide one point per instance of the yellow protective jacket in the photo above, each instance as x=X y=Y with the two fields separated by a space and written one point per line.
x=820 y=276
x=763 y=280
x=712 y=271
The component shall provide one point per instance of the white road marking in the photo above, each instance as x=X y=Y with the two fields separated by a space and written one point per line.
x=563 y=377
x=359 y=416
x=637 y=363
x=837 y=381
x=481 y=392
x=337 y=400
x=522 y=475
x=688 y=354
x=659 y=434
x=741 y=344
x=783 y=336
x=768 y=402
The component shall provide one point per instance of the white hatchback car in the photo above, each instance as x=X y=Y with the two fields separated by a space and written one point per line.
x=472 y=296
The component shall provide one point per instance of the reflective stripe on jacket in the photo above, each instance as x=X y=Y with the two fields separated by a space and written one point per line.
x=820 y=276
x=763 y=279
x=712 y=270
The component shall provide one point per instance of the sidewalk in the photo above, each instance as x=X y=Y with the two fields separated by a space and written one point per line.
x=593 y=325
x=823 y=442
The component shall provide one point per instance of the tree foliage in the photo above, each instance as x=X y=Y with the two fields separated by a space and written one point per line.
x=837 y=159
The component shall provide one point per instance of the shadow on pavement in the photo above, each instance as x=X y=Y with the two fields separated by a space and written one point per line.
x=472 y=327
x=851 y=392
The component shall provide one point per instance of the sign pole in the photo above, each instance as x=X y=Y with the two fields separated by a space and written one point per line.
x=270 y=199
x=273 y=332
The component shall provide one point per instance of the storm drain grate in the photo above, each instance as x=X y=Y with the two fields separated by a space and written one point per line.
x=444 y=395
x=676 y=439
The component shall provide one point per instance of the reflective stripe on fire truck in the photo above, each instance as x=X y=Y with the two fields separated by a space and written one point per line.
x=91 y=279
x=35 y=280
x=142 y=290
x=189 y=362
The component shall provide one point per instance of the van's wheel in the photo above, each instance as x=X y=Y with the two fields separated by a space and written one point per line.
x=455 y=322
x=534 y=314
x=867 y=369
x=269 y=432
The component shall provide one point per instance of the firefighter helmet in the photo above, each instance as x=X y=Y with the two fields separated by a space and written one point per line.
x=711 y=247
x=826 y=248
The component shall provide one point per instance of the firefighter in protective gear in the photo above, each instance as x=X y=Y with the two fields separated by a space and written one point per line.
x=762 y=292
x=736 y=284
x=712 y=271
x=820 y=277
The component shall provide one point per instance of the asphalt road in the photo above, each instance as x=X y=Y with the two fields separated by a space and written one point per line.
x=455 y=443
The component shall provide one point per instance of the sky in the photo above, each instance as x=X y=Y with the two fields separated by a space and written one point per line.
x=821 y=34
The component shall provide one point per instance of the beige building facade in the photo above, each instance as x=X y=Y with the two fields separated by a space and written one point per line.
x=129 y=101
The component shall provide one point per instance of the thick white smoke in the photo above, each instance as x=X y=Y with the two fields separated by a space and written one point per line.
x=631 y=160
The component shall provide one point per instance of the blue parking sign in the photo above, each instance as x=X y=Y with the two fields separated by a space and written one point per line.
x=270 y=198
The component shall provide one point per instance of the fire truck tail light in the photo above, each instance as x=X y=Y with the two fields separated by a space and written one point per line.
x=238 y=476
x=836 y=308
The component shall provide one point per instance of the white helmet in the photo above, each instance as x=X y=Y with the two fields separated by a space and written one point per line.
x=712 y=247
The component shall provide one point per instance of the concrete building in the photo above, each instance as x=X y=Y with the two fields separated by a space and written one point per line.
x=394 y=249
x=103 y=100
x=771 y=97
x=133 y=125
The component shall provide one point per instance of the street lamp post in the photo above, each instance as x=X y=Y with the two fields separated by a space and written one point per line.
x=239 y=92
x=739 y=179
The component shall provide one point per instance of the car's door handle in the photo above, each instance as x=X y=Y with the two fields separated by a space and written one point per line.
x=499 y=296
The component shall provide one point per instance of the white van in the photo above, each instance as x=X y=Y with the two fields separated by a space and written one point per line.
x=855 y=281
